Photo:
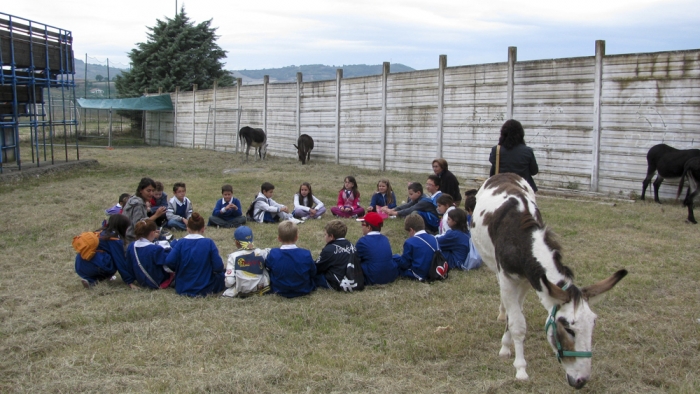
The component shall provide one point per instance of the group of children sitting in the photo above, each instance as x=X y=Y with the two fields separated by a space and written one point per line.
x=193 y=265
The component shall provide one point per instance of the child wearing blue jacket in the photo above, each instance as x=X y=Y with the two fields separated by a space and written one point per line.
x=147 y=260
x=417 y=255
x=227 y=212
x=419 y=204
x=110 y=256
x=455 y=242
x=198 y=267
x=383 y=197
x=374 y=252
x=292 y=269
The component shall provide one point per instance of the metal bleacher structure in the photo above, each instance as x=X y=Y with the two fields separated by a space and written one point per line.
x=37 y=61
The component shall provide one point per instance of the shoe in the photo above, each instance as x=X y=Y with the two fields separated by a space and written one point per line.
x=295 y=221
x=392 y=217
x=318 y=217
x=304 y=218
x=85 y=283
x=113 y=278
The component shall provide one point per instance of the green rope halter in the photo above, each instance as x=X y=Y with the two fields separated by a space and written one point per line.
x=551 y=322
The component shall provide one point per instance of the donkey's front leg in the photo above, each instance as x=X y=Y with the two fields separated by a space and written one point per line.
x=511 y=295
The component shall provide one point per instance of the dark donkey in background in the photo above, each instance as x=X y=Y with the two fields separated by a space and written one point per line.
x=669 y=162
x=255 y=138
x=304 y=146
x=691 y=170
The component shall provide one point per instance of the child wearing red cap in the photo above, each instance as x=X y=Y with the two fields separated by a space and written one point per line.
x=374 y=252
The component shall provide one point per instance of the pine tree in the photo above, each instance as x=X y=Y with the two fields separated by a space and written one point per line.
x=177 y=53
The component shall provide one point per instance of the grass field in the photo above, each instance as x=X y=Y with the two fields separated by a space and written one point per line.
x=56 y=336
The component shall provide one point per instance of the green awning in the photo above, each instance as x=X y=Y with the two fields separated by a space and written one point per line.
x=149 y=103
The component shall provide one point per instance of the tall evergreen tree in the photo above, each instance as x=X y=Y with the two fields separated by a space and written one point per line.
x=177 y=53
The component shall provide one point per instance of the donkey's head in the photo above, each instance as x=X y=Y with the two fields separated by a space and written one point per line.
x=570 y=325
x=263 y=151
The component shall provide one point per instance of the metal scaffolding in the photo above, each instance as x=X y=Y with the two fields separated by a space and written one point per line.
x=37 y=61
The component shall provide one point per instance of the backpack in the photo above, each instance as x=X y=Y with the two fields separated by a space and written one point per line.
x=439 y=268
x=354 y=279
x=250 y=275
x=473 y=259
x=251 y=210
x=86 y=244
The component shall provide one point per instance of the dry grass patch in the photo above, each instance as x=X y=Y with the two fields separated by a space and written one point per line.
x=55 y=336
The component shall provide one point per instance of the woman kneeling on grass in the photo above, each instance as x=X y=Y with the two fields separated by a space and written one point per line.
x=199 y=270
x=109 y=257
x=147 y=260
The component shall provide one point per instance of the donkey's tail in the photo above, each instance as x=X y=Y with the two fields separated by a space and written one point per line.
x=680 y=184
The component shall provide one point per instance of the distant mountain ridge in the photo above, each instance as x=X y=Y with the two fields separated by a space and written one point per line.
x=314 y=72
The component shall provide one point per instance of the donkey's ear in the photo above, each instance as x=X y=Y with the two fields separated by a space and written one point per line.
x=593 y=293
x=555 y=291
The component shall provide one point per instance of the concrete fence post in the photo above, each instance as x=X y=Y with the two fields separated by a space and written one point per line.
x=298 y=114
x=266 y=82
x=194 y=111
x=216 y=84
x=238 y=106
x=338 y=78
x=597 y=92
x=386 y=69
x=512 y=58
x=177 y=102
x=441 y=100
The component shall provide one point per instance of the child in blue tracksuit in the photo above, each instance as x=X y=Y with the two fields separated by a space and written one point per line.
x=383 y=197
x=147 y=260
x=227 y=212
x=198 y=267
x=419 y=204
x=374 y=252
x=455 y=242
x=417 y=255
x=292 y=269
x=110 y=256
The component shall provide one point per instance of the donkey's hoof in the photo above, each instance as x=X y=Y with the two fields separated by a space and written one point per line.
x=521 y=375
x=504 y=353
x=501 y=317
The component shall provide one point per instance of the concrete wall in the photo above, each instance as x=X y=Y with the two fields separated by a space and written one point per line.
x=590 y=120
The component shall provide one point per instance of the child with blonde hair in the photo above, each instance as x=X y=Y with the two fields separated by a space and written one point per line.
x=292 y=269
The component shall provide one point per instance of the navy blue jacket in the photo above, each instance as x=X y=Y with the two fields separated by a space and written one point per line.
x=378 y=266
x=152 y=258
x=455 y=247
x=291 y=271
x=229 y=214
x=198 y=267
x=415 y=261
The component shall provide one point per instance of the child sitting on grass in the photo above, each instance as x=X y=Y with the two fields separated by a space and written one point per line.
x=292 y=269
x=445 y=204
x=374 y=252
x=245 y=269
x=306 y=205
x=227 y=212
x=198 y=267
x=419 y=204
x=146 y=259
x=179 y=208
x=455 y=242
x=418 y=249
x=159 y=199
x=267 y=210
x=332 y=264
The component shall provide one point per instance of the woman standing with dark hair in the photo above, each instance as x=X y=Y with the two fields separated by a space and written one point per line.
x=516 y=157
x=448 y=181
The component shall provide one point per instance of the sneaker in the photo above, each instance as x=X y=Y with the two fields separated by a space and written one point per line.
x=295 y=221
x=304 y=218
x=392 y=217
x=85 y=283
x=318 y=217
x=113 y=278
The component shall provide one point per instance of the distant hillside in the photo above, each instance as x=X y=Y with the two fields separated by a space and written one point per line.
x=314 y=72
x=93 y=70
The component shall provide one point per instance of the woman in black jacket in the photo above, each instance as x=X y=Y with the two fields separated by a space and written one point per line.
x=516 y=157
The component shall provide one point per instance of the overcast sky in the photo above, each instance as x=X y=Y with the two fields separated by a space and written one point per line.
x=271 y=33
